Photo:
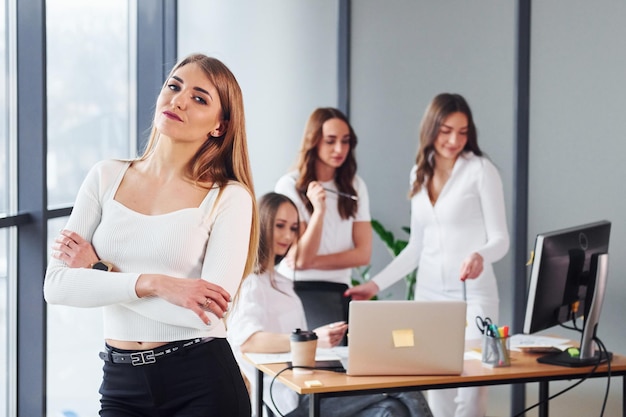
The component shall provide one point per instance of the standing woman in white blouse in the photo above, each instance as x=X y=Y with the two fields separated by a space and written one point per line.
x=332 y=202
x=161 y=243
x=458 y=230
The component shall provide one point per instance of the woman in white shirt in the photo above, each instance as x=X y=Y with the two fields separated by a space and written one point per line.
x=332 y=202
x=162 y=243
x=458 y=230
x=268 y=310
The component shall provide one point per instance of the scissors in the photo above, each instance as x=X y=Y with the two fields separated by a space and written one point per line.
x=485 y=325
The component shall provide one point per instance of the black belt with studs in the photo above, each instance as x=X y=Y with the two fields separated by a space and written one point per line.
x=146 y=357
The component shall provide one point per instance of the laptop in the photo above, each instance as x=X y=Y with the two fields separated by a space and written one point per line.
x=393 y=337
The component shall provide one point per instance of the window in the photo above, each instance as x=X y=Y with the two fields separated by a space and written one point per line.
x=4 y=323
x=89 y=86
x=4 y=107
x=88 y=82
x=4 y=210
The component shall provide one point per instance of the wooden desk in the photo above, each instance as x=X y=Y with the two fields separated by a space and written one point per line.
x=524 y=368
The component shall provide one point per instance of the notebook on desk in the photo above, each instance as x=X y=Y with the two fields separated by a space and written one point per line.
x=406 y=337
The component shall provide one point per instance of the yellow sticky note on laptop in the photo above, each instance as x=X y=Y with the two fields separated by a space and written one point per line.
x=403 y=338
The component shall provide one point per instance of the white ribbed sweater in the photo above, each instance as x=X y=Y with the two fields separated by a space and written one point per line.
x=189 y=243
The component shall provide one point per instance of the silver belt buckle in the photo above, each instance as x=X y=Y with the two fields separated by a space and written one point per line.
x=142 y=358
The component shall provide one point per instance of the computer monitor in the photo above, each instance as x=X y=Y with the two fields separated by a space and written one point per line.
x=568 y=281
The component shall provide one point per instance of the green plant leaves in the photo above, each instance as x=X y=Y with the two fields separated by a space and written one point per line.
x=385 y=235
x=395 y=246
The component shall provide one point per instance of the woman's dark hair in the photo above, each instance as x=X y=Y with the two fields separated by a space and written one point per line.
x=344 y=175
x=442 y=106
x=268 y=207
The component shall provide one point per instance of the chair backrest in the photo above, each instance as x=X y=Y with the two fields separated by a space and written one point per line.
x=323 y=302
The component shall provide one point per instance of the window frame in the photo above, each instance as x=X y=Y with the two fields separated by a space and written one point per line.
x=155 y=52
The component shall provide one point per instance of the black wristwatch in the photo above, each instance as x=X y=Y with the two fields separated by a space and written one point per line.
x=102 y=266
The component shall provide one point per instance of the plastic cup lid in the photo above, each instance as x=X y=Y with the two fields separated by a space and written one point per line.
x=299 y=335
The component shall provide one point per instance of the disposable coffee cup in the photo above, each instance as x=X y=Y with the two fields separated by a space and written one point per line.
x=303 y=346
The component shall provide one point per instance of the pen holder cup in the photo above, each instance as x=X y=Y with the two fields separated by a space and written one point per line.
x=495 y=351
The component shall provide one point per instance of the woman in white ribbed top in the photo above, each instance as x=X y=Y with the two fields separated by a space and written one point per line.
x=458 y=229
x=162 y=243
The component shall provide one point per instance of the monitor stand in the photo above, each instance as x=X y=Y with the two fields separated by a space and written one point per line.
x=588 y=354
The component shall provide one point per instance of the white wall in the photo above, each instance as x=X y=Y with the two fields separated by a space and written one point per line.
x=284 y=55
x=578 y=139
x=577 y=143
x=403 y=53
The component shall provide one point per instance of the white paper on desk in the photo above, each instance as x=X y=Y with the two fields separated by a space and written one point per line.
x=534 y=343
x=341 y=351
x=264 y=358
x=472 y=354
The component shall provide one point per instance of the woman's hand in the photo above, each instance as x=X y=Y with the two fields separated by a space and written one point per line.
x=75 y=251
x=197 y=295
x=472 y=267
x=331 y=334
x=363 y=291
x=317 y=196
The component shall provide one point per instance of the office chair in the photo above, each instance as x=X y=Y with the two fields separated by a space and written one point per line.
x=323 y=303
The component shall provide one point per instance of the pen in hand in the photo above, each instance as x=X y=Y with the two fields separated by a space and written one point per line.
x=355 y=198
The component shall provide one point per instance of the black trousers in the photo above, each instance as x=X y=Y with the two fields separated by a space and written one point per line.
x=199 y=381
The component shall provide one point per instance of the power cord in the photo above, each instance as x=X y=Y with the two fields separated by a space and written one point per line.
x=321 y=365
x=604 y=350
x=280 y=372
x=560 y=392
x=601 y=346
x=608 y=372
x=591 y=372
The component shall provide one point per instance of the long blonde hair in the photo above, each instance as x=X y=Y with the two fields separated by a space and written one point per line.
x=225 y=158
